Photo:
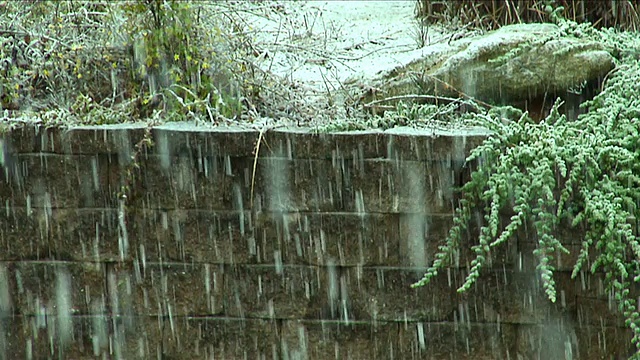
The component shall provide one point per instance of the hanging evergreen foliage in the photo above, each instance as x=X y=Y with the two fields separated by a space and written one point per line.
x=584 y=172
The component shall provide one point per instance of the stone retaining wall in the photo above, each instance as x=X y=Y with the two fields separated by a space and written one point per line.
x=195 y=247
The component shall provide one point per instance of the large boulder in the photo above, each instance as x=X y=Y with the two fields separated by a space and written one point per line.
x=516 y=62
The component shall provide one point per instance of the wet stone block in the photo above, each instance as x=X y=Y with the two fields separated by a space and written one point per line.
x=433 y=145
x=384 y=186
x=185 y=182
x=357 y=145
x=82 y=337
x=117 y=139
x=425 y=340
x=411 y=147
x=135 y=337
x=593 y=285
x=346 y=185
x=603 y=342
x=192 y=235
x=558 y=340
x=442 y=181
x=39 y=288
x=166 y=289
x=514 y=297
x=293 y=292
x=23 y=234
x=19 y=139
x=174 y=138
x=572 y=239
x=48 y=337
x=56 y=181
x=339 y=340
x=323 y=238
x=598 y=311
x=385 y=294
x=186 y=338
x=299 y=185
x=305 y=144
x=49 y=140
x=422 y=234
x=88 y=235
x=59 y=234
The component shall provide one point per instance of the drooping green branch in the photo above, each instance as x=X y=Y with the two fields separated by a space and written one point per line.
x=583 y=173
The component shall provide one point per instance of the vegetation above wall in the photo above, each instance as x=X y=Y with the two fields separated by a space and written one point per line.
x=492 y=14
x=83 y=62
x=110 y=62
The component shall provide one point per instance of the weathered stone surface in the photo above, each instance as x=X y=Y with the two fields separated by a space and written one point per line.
x=421 y=235
x=295 y=238
x=436 y=145
x=166 y=289
x=561 y=261
x=270 y=292
x=401 y=143
x=339 y=340
x=554 y=65
x=598 y=311
x=347 y=186
x=296 y=143
x=592 y=285
x=378 y=293
x=187 y=338
x=185 y=182
x=193 y=235
x=396 y=187
x=57 y=181
x=59 y=234
x=23 y=234
x=464 y=340
x=502 y=295
x=118 y=139
x=323 y=238
x=172 y=139
x=39 y=288
x=515 y=62
x=17 y=138
x=318 y=265
x=299 y=185
x=87 y=337
x=48 y=139
x=562 y=340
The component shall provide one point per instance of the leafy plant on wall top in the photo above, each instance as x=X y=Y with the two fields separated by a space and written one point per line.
x=87 y=62
x=176 y=69
x=585 y=173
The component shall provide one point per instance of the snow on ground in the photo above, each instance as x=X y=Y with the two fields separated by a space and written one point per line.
x=320 y=45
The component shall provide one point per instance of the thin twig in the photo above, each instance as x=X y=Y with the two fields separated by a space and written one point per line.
x=263 y=130
x=376 y=103
x=24 y=33
x=411 y=97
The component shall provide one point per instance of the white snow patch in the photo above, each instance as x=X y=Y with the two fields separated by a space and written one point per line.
x=320 y=45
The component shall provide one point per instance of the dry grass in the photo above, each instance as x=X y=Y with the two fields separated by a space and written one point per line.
x=110 y=62
x=491 y=14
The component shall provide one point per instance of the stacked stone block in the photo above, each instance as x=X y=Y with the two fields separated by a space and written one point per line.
x=208 y=244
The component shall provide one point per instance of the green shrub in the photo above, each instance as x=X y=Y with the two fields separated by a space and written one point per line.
x=105 y=62
x=585 y=173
